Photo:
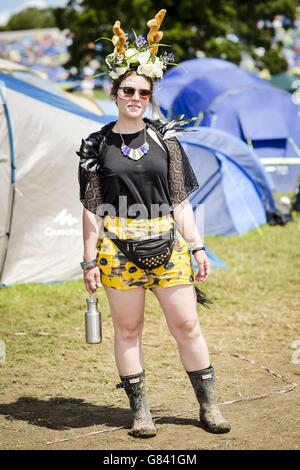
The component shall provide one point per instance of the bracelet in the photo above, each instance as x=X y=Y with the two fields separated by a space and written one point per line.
x=89 y=264
x=195 y=245
x=198 y=249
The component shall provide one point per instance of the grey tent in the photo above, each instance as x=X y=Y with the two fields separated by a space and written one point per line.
x=40 y=217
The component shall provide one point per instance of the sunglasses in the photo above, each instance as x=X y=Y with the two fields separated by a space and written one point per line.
x=128 y=92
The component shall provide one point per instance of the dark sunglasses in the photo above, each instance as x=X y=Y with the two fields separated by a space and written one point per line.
x=129 y=91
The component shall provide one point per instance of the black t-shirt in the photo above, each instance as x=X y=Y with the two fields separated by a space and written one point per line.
x=135 y=188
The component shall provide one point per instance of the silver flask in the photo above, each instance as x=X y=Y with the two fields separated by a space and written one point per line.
x=93 y=327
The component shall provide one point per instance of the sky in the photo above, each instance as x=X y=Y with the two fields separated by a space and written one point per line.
x=9 y=7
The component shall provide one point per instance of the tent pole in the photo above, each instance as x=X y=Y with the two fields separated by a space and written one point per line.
x=7 y=232
x=295 y=146
x=249 y=143
x=248 y=209
x=13 y=178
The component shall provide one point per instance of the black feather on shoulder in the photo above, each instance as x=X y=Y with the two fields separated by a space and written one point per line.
x=91 y=147
x=89 y=152
x=169 y=129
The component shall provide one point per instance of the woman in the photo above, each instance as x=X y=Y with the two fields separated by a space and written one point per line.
x=134 y=184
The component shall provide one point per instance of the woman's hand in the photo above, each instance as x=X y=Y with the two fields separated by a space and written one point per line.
x=203 y=266
x=92 y=279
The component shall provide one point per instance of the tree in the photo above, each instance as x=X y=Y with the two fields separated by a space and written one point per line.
x=31 y=18
x=94 y=20
x=251 y=11
x=218 y=28
x=273 y=61
x=186 y=27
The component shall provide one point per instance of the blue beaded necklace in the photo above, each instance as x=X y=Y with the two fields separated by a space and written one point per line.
x=134 y=154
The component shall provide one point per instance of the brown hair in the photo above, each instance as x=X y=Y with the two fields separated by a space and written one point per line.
x=117 y=82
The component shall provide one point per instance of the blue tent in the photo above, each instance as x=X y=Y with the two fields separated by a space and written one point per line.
x=242 y=154
x=268 y=120
x=40 y=217
x=226 y=97
x=213 y=77
x=234 y=194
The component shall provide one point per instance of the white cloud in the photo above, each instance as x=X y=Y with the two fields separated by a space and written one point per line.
x=9 y=8
x=4 y=17
x=32 y=3
x=6 y=14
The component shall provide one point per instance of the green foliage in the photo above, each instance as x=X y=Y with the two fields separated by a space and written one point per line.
x=190 y=26
x=220 y=47
x=31 y=18
x=249 y=12
x=273 y=61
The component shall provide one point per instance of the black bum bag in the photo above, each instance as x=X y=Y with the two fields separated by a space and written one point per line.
x=146 y=254
x=152 y=253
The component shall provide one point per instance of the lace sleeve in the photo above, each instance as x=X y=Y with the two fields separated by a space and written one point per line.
x=90 y=190
x=182 y=179
x=91 y=195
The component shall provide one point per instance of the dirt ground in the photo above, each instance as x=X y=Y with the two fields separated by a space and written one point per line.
x=57 y=392
x=68 y=391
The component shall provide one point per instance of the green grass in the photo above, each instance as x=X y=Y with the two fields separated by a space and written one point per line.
x=101 y=95
x=263 y=269
x=255 y=313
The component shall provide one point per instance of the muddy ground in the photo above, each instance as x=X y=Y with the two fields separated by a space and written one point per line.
x=54 y=386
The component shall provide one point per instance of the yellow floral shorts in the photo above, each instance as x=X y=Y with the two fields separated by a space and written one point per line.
x=118 y=272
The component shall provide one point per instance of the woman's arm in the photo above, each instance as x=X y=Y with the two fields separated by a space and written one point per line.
x=186 y=223
x=91 y=225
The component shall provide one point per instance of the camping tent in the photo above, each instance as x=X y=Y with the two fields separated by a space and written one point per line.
x=40 y=217
x=38 y=79
x=239 y=152
x=285 y=81
x=232 y=197
x=212 y=75
x=226 y=97
x=269 y=121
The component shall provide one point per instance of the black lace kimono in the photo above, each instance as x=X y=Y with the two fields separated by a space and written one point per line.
x=181 y=177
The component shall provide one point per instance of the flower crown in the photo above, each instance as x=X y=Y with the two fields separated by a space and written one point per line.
x=141 y=55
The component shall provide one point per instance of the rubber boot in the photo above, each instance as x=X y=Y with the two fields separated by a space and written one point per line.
x=211 y=418
x=134 y=386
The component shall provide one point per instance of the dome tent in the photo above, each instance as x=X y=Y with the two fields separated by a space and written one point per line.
x=205 y=76
x=242 y=154
x=233 y=186
x=226 y=97
x=40 y=217
x=40 y=220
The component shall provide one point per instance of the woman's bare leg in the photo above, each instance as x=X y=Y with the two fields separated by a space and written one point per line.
x=127 y=310
x=179 y=306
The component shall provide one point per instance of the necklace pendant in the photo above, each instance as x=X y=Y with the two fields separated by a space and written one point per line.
x=135 y=154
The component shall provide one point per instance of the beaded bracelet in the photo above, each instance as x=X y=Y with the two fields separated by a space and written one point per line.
x=89 y=264
x=193 y=246
x=198 y=249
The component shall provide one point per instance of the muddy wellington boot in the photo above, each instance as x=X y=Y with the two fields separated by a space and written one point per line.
x=211 y=418
x=134 y=386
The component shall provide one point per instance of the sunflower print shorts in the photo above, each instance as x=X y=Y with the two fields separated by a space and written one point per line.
x=118 y=272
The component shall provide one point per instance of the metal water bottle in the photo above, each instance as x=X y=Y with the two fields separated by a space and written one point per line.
x=93 y=327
